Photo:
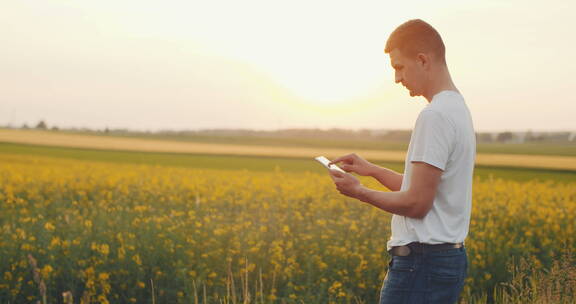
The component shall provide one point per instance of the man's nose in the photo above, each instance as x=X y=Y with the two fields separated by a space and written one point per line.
x=398 y=78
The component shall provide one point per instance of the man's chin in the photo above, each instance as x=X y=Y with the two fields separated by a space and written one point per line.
x=413 y=93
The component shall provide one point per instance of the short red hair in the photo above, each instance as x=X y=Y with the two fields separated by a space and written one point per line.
x=416 y=36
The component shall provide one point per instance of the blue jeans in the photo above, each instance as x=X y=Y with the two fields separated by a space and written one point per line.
x=425 y=278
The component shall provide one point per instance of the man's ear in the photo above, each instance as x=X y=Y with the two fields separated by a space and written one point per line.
x=423 y=60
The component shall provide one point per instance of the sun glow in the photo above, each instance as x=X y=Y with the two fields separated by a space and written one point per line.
x=325 y=88
x=334 y=75
x=320 y=64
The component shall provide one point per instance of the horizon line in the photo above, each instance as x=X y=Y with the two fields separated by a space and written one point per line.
x=158 y=130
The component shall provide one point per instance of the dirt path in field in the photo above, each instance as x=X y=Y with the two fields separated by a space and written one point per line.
x=49 y=138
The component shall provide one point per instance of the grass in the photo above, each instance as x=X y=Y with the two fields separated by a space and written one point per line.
x=533 y=284
x=253 y=163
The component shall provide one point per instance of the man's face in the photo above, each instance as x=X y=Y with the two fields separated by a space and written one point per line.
x=408 y=71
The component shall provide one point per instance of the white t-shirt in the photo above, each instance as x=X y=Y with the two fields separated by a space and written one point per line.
x=444 y=138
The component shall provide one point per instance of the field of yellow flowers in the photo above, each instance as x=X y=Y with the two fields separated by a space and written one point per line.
x=99 y=232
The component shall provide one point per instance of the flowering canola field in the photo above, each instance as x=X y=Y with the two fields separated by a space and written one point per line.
x=125 y=233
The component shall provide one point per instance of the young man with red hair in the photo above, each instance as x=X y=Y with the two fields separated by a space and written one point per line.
x=431 y=201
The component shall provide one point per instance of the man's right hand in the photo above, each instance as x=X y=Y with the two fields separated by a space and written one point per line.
x=354 y=163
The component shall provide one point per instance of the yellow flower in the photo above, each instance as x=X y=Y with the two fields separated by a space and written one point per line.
x=55 y=242
x=137 y=260
x=26 y=247
x=102 y=299
x=48 y=226
x=89 y=271
x=335 y=288
x=104 y=249
x=7 y=276
x=46 y=270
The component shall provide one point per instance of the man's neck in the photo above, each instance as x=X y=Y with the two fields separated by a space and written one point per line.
x=441 y=82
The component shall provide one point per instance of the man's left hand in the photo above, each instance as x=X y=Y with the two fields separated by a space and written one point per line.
x=346 y=183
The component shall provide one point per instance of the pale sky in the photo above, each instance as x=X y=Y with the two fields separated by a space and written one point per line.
x=267 y=64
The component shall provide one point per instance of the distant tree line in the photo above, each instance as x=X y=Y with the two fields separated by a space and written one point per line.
x=334 y=134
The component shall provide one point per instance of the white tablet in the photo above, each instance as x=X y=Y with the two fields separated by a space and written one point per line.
x=324 y=161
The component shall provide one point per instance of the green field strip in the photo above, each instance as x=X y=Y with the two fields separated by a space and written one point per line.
x=251 y=163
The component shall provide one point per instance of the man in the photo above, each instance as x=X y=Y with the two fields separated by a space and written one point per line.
x=432 y=200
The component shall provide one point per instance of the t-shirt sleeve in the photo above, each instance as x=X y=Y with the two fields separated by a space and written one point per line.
x=433 y=139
